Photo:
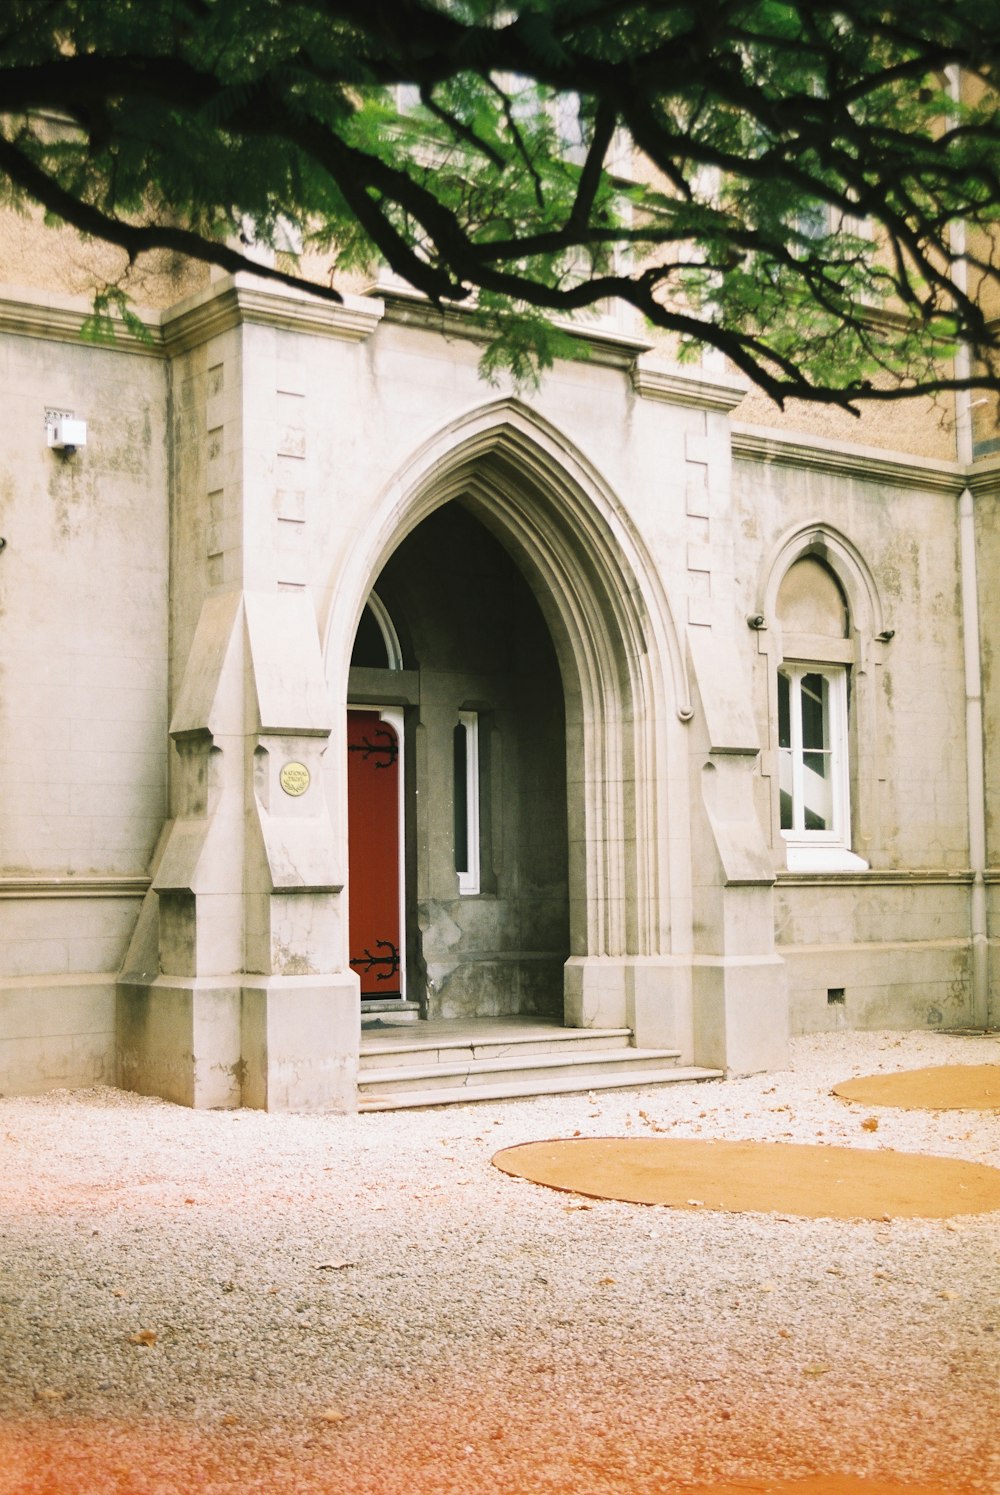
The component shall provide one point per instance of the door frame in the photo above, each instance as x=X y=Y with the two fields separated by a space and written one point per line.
x=393 y=716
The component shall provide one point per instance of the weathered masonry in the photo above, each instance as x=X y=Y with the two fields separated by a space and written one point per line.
x=337 y=683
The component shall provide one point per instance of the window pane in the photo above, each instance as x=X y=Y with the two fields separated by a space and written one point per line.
x=784 y=713
x=815 y=712
x=785 y=788
x=369 y=645
x=817 y=790
x=812 y=789
x=461 y=744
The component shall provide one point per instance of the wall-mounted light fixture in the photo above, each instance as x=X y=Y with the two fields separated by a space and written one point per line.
x=65 y=434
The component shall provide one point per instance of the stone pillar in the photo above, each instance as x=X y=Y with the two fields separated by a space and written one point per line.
x=300 y=1003
x=249 y=1000
x=252 y=1005
x=739 y=985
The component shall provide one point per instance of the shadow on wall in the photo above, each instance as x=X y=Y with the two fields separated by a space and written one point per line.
x=488 y=918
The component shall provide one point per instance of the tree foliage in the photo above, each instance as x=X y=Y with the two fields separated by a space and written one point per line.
x=780 y=181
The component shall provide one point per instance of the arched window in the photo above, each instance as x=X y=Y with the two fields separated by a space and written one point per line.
x=817 y=650
x=813 y=765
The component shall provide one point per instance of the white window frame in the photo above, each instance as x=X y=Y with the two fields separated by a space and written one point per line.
x=819 y=850
x=469 y=880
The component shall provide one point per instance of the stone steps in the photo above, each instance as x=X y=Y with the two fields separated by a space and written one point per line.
x=448 y=1070
x=469 y=1047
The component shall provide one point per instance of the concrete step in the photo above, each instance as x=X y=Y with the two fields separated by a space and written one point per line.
x=389 y=1052
x=543 y=1082
x=377 y=1010
x=456 y=1071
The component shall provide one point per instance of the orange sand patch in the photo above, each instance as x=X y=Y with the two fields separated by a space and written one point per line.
x=946 y=1087
x=108 y=1458
x=838 y=1183
x=824 y=1484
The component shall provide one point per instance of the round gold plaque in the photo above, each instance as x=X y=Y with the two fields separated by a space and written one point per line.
x=294 y=778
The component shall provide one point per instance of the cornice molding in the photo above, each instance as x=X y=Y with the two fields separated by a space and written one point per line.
x=604 y=346
x=246 y=299
x=984 y=475
x=61 y=319
x=135 y=886
x=840 y=459
x=675 y=385
x=873 y=878
x=226 y=304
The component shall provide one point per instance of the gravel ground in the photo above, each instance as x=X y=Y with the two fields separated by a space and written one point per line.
x=223 y=1301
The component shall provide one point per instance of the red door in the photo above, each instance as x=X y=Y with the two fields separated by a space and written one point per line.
x=373 y=852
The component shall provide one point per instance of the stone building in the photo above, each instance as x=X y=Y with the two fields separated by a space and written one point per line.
x=337 y=682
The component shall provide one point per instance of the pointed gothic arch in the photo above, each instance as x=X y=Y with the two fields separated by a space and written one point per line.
x=844 y=559
x=844 y=839
x=623 y=670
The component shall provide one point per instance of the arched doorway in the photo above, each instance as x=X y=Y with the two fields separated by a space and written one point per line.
x=624 y=697
x=484 y=913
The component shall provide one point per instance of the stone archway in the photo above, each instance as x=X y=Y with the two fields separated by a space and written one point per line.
x=624 y=683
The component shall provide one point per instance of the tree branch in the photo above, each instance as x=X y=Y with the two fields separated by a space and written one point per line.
x=136 y=239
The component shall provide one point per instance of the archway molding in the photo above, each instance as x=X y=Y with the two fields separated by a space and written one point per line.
x=844 y=559
x=387 y=629
x=865 y=651
x=624 y=673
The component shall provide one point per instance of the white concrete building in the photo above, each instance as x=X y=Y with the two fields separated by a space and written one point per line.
x=335 y=681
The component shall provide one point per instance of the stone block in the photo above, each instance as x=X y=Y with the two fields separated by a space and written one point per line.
x=471 y=989
x=56 y=1034
x=202 y=702
x=305 y=933
x=287 y=664
x=740 y=1009
x=219 y=933
x=885 y=986
x=727 y=796
x=57 y=1007
x=725 y=697
x=595 y=994
x=180 y=1039
x=659 y=1008
x=301 y=1037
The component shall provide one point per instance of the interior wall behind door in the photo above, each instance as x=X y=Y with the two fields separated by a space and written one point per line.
x=476 y=634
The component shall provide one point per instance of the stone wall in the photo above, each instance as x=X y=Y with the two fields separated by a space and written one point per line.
x=577 y=565
x=888 y=946
x=83 y=582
